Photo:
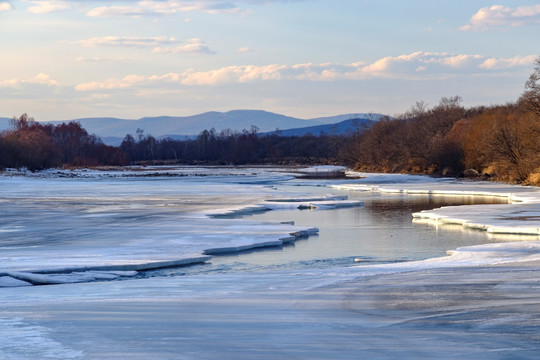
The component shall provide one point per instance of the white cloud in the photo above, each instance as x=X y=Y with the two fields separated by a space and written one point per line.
x=245 y=49
x=501 y=63
x=460 y=61
x=127 y=41
x=96 y=59
x=427 y=64
x=498 y=15
x=129 y=10
x=172 y=7
x=111 y=84
x=47 y=6
x=415 y=66
x=5 y=6
x=190 y=46
x=39 y=79
x=142 y=7
x=167 y=7
x=159 y=44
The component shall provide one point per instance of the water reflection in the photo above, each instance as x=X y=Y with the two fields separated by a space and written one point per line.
x=380 y=232
x=389 y=204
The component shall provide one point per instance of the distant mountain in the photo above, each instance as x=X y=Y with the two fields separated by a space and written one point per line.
x=193 y=125
x=339 y=118
x=340 y=128
x=4 y=123
x=113 y=130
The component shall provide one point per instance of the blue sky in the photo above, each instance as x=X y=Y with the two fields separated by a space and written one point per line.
x=66 y=59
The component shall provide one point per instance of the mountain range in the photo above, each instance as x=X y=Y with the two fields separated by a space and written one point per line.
x=342 y=127
x=113 y=130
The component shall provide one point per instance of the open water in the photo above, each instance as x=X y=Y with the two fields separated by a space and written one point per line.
x=381 y=231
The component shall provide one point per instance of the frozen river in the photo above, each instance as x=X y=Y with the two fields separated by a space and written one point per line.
x=144 y=264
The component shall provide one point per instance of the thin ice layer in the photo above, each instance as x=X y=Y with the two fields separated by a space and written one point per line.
x=99 y=221
x=446 y=308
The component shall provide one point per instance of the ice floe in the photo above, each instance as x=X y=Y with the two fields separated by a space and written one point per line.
x=72 y=277
x=326 y=202
x=8 y=281
x=522 y=217
x=290 y=203
x=89 y=229
x=243 y=244
x=323 y=172
x=315 y=313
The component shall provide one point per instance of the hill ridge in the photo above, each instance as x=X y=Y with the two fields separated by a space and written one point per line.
x=111 y=128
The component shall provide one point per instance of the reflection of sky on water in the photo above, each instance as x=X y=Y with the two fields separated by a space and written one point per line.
x=381 y=231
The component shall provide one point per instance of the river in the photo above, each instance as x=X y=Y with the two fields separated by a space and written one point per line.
x=106 y=248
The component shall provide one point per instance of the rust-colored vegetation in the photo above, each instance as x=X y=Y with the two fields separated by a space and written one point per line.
x=38 y=146
x=499 y=142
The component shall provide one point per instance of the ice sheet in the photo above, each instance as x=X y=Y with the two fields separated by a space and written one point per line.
x=522 y=219
x=326 y=202
x=145 y=218
x=479 y=302
x=71 y=277
x=447 y=313
x=131 y=220
x=8 y=281
x=22 y=341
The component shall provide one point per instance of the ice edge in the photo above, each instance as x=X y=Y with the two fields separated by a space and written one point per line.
x=274 y=243
x=526 y=202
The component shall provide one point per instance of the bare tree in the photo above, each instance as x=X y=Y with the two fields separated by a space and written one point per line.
x=531 y=96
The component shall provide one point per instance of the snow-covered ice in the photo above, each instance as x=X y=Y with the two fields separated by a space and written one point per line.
x=86 y=225
x=68 y=228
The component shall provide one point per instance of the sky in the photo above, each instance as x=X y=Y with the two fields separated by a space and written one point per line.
x=67 y=59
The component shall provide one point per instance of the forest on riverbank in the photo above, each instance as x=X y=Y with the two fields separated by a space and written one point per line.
x=37 y=146
x=500 y=142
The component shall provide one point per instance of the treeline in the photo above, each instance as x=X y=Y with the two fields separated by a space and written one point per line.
x=500 y=142
x=38 y=146
x=229 y=147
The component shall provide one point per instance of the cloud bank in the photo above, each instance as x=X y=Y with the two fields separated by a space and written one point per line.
x=5 y=6
x=414 y=66
x=140 y=8
x=159 y=44
x=172 y=7
x=48 y=6
x=39 y=79
x=498 y=15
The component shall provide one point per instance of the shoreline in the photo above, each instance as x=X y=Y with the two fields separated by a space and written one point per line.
x=520 y=217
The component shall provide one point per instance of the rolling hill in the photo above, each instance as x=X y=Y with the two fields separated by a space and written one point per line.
x=113 y=130
x=4 y=123
x=343 y=127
